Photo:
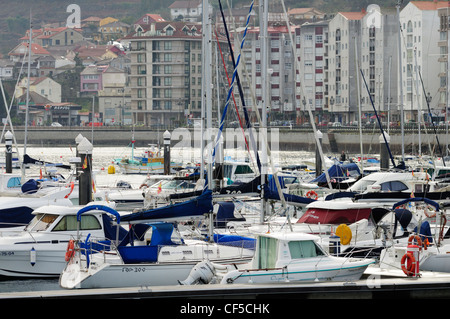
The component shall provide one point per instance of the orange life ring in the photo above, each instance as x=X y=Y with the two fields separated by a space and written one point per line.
x=417 y=238
x=70 y=250
x=428 y=213
x=312 y=195
x=409 y=267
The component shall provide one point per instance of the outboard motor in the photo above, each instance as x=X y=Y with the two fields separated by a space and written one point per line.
x=202 y=273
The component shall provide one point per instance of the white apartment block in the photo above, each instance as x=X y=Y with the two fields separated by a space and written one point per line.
x=311 y=40
x=378 y=57
x=419 y=39
x=441 y=108
x=343 y=29
x=281 y=72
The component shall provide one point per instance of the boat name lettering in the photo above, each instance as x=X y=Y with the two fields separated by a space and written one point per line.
x=6 y=253
x=133 y=269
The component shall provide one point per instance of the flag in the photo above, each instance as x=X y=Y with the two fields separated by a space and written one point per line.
x=85 y=163
x=159 y=188
x=93 y=186
x=412 y=194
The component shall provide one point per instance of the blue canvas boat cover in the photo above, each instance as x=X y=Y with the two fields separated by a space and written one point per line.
x=195 y=207
x=339 y=172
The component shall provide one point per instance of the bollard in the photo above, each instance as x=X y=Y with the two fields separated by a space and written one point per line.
x=85 y=173
x=384 y=153
x=8 y=151
x=318 y=157
x=166 y=137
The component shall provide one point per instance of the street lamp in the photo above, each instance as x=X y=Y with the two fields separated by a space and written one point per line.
x=332 y=103
x=428 y=98
x=304 y=106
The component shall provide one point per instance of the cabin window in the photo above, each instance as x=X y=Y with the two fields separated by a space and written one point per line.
x=243 y=169
x=394 y=186
x=41 y=222
x=267 y=252
x=304 y=249
x=88 y=222
x=13 y=182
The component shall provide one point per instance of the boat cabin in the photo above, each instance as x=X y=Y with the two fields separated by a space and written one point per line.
x=276 y=250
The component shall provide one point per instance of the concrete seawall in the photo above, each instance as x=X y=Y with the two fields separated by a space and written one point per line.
x=334 y=141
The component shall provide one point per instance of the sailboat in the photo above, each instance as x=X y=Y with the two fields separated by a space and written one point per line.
x=151 y=255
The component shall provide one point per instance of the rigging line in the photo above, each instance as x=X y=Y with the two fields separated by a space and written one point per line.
x=311 y=117
x=236 y=77
x=432 y=122
x=234 y=100
x=378 y=119
x=264 y=140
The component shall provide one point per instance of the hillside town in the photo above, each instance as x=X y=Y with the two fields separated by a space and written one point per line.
x=149 y=73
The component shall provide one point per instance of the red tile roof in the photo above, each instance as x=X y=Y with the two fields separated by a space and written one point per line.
x=353 y=15
x=429 y=5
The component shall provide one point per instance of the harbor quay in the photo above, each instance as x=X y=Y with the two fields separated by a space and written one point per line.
x=334 y=141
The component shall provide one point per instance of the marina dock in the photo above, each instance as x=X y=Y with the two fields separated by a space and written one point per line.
x=368 y=288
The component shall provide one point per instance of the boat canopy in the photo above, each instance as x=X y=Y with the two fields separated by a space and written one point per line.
x=334 y=216
x=196 y=207
x=225 y=214
x=161 y=236
x=417 y=199
x=339 y=172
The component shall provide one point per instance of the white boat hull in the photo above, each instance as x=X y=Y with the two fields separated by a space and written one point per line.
x=43 y=262
x=125 y=275
x=325 y=270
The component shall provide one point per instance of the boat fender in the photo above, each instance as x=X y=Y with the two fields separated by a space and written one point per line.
x=32 y=256
x=312 y=195
x=418 y=240
x=202 y=273
x=111 y=169
x=344 y=233
x=72 y=185
x=70 y=250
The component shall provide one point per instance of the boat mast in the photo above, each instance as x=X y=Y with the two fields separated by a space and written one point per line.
x=28 y=94
x=400 y=82
x=263 y=13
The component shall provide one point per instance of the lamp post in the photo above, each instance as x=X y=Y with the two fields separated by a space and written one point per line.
x=304 y=106
x=429 y=98
x=331 y=103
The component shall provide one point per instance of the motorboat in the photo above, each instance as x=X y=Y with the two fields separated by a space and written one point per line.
x=391 y=187
x=39 y=249
x=152 y=254
x=283 y=257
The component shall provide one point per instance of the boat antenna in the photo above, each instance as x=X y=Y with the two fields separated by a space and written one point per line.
x=378 y=120
x=428 y=99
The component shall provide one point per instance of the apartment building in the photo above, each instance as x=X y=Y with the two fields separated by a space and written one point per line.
x=344 y=36
x=166 y=73
x=441 y=105
x=419 y=39
x=311 y=41
x=378 y=59
x=281 y=72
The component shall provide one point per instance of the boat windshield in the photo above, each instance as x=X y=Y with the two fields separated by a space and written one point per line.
x=304 y=249
x=361 y=185
x=41 y=222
